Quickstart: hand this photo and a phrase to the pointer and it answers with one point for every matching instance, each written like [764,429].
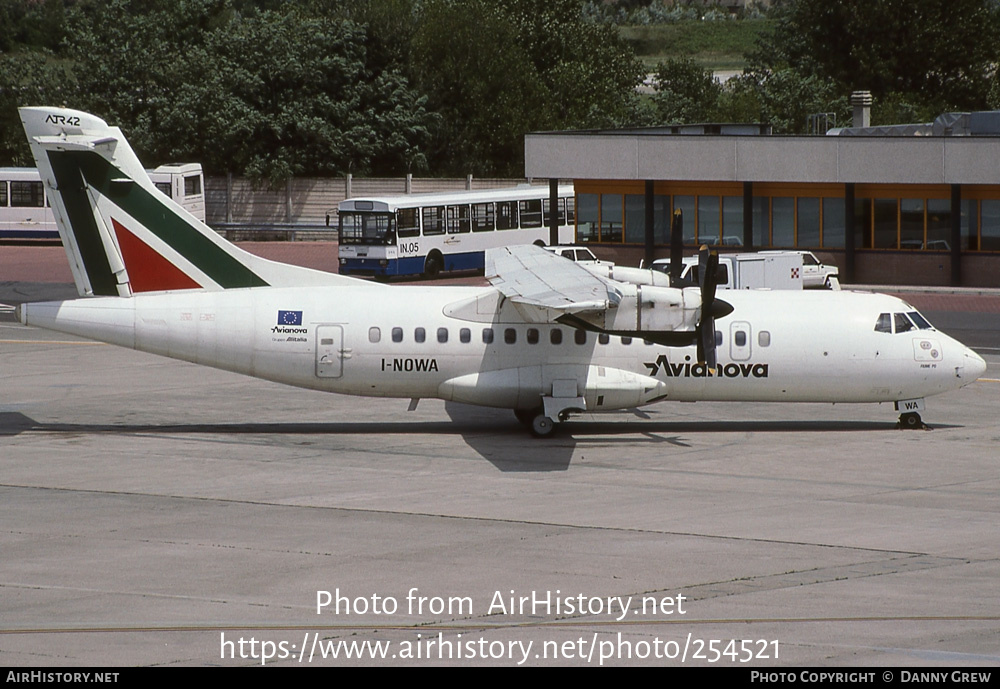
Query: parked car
[580,254]
[814,272]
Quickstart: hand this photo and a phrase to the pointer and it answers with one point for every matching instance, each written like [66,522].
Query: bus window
[3,193]
[433,220]
[366,228]
[483,219]
[531,213]
[407,222]
[26,195]
[458,219]
[507,215]
[192,185]
[163,188]
[546,219]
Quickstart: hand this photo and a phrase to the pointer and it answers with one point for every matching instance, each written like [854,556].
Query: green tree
[496,69]
[685,92]
[25,79]
[268,93]
[936,53]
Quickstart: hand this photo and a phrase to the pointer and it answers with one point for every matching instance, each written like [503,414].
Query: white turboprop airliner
[547,339]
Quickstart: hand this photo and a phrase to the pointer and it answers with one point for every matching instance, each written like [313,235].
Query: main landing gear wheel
[542,426]
[910,421]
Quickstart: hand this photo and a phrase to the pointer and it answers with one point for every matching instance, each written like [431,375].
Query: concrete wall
[306,201]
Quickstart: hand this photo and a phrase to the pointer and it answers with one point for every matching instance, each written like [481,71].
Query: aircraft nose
[975,365]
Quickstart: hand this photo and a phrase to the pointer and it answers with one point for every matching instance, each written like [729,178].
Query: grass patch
[712,44]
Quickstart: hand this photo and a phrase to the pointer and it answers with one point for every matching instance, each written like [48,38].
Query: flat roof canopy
[636,155]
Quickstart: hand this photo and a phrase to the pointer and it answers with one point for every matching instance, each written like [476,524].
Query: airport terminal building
[914,204]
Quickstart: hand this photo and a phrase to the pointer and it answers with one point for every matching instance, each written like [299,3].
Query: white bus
[25,211]
[427,233]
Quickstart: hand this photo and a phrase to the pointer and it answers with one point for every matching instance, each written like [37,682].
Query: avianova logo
[689,370]
[286,318]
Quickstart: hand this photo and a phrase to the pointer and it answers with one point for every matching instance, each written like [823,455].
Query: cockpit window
[903,323]
[919,321]
[884,323]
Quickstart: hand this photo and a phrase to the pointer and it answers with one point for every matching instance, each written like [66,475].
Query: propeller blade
[708,264]
[676,246]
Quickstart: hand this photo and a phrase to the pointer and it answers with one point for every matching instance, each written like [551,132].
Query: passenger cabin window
[510,336]
[532,335]
[740,338]
[465,336]
[580,337]
[442,335]
[603,338]
[487,335]
[764,338]
[397,334]
[626,340]
[555,336]
[419,335]
[374,335]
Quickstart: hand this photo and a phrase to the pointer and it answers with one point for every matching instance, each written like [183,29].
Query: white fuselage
[787,346]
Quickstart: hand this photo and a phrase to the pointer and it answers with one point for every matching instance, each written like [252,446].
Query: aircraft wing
[544,287]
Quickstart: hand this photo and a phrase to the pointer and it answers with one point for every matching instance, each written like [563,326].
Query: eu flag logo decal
[289,318]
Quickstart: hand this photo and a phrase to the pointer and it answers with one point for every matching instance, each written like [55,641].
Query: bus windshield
[367,228]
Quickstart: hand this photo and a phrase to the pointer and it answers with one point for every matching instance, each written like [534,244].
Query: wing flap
[543,286]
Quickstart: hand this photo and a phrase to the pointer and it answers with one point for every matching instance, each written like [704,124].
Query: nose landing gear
[910,421]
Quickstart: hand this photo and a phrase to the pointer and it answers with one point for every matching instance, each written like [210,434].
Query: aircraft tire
[542,426]
[910,421]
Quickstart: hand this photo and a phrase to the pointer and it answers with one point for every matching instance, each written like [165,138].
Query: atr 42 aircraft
[547,339]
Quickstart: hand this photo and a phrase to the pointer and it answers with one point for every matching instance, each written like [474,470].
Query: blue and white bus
[24,206]
[424,234]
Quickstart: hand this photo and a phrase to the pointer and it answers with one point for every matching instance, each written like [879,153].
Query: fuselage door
[739,341]
[329,351]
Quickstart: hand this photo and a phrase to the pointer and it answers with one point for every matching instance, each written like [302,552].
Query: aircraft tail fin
[121,234]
